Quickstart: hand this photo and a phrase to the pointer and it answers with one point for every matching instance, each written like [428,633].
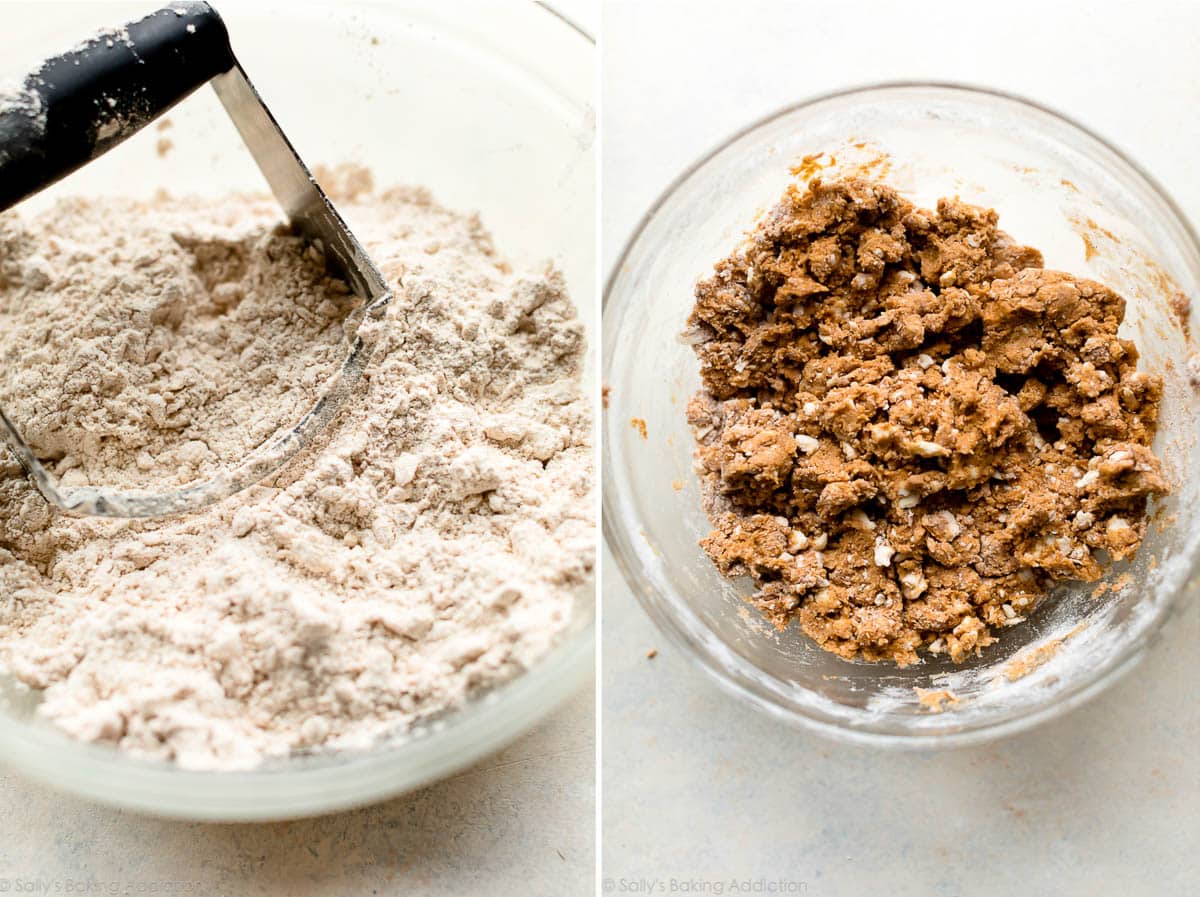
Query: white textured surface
[701,789]
[697,786]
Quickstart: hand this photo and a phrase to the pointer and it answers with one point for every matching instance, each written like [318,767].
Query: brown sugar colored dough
[908,429]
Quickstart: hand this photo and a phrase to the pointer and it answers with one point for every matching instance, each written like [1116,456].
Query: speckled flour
[427,547]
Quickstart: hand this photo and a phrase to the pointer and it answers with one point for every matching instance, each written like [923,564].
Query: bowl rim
[1109,671]
[331,782]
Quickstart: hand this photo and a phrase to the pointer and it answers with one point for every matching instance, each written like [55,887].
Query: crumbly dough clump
[908,429]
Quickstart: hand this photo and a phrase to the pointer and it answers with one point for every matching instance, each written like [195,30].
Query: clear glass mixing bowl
[1057,187]
[490,106]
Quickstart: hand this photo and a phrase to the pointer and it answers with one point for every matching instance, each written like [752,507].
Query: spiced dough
[909,430]
[430,546]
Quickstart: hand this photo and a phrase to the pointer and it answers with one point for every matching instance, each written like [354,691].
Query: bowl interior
[488,107]
[1055,187]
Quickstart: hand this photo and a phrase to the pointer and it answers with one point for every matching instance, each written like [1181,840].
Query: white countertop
[698,788]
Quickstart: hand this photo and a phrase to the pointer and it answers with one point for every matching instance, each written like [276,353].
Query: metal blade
[311,213]
[309,210]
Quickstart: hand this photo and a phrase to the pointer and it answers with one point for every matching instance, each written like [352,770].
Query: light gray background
[698,788]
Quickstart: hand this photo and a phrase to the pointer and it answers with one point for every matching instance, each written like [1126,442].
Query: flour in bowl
[428,546]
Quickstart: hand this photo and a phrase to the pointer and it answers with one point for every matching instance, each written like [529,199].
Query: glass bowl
[1056,186]
[488,106]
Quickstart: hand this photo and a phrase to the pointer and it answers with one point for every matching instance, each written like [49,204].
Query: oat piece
[908,430]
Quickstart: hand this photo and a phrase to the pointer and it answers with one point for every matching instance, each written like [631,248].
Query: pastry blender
[82,103]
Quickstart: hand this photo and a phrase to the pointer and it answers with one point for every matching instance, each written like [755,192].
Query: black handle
[81,104]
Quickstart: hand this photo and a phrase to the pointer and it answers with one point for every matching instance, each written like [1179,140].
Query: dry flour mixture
[428,546]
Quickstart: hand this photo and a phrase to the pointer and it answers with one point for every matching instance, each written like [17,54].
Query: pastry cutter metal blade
[81,104]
